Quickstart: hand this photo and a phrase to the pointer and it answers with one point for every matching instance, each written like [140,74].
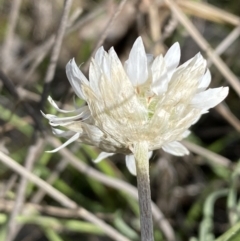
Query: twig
[65,213]
[61,198]
[221,66]
[55,194]
[43,48]
[13,226]
[208,11]
[88,18]
[228,115]
[55,52]
[39,195]
[109,25]
[39,58]
[8,205]
[106,31]
[46,46]
[224,45]
[213,157]
[169,28]
[8,186]
[8,41]
[61,165]
[120,185]
[155,21]
[9,85]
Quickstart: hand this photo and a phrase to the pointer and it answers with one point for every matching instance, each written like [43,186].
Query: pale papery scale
[147,100]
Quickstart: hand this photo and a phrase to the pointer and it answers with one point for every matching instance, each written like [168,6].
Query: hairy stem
[144,193]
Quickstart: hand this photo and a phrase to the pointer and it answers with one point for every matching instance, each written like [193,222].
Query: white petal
[106,66]
[92,135]
[172,58]
[117,71]
[102,156]
[150,58]
[131,165]
[56,121]
[150,153]
[76,78]
[159,76]
[137,64]
[114,58]
[209,98]
[61,133]
[72,139]
[186,134]
[55,118]
[48,116]
[196,61]
[175,148]
[99,56]
[94,76]
[204,81]
[53,103]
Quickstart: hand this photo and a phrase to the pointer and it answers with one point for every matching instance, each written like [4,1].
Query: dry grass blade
[229,116]
[61,198]
[33,153]
[7,206]
[8,185]
[224,45]
[56,50]
[39,195]
[58,42]
[105,31]
[213,157]
[42,50]
[8,41]
[204,45]
[208,12]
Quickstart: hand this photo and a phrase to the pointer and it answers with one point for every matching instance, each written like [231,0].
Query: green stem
[144,193]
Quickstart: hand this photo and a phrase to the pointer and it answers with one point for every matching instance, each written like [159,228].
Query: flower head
[151,100]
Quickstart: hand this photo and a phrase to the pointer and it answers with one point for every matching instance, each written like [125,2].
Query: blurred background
[196,197]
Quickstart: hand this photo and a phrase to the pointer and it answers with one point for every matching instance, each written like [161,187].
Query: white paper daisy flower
[147,100]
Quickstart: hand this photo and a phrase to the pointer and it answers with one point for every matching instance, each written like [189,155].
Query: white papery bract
[146,100]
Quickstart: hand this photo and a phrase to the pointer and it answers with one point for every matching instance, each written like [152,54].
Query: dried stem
[8,43]
[61,198]
[6,187]
[56,51]
[214,158]
[226,43]
[144,193]
[13,226]
[54,193]
[118,184]
[106,31]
